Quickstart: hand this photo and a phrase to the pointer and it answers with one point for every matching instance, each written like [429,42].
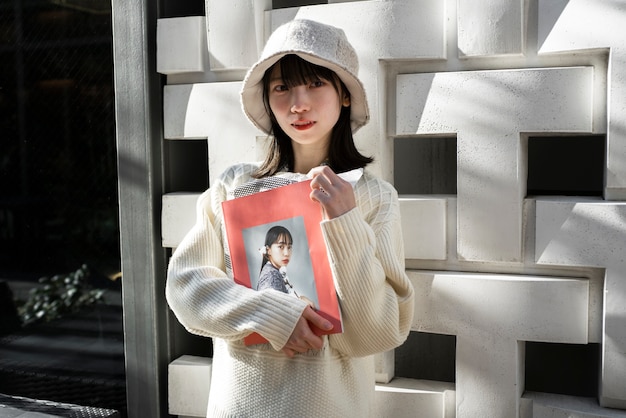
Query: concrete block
[495,28]
[212,111]
[189,380]
[185,112]
[537,99]
[592,25]
[178,215]
[566,25]
[384,366]
[529,308]
[491,316]
[235,32]
[412,398]
[549,405]
[424,227]
[588,233]
[224,152]
[205,110]
[181,45]
[488,111]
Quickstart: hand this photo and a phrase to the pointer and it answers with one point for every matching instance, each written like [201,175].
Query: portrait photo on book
[279,252]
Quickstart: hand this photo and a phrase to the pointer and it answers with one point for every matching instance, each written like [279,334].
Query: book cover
[287,216]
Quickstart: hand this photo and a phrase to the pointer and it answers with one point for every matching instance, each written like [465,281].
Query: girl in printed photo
[276,253]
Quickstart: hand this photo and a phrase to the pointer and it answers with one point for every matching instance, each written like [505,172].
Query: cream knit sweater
[376,298]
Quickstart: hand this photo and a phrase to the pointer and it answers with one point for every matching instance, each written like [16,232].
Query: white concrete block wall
[178,214]
[424,230]
[490,163]
[495,30]
[593,234]
[546,405]
[188,381]
[236,33]
[410,398]
[211,111]
[582,25]
[490,315]
[181,45]
[491,266]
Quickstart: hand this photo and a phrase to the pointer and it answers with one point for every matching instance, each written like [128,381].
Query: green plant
[59,295]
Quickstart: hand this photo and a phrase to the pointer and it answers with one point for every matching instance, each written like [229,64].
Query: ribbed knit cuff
[344,233]
[277,316]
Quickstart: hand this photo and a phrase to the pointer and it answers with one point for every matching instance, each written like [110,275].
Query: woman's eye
[280,88]
[317,83]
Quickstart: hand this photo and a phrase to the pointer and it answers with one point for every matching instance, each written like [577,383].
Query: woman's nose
[299,99]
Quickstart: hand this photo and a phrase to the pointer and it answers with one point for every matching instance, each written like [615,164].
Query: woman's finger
[331,191]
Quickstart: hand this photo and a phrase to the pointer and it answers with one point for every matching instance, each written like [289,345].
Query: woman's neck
[305,160]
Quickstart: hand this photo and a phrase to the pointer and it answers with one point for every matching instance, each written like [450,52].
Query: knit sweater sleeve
[367,257]
[209,303]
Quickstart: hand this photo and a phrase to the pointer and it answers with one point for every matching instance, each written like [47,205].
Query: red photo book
[274,238]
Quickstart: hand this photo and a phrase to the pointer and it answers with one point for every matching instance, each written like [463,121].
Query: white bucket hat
[318,44]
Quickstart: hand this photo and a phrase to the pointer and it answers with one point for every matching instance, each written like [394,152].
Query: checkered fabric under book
[267,183]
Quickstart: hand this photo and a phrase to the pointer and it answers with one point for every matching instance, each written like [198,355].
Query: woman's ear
[346,100]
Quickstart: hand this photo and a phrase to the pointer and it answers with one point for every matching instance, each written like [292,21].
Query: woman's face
[306,113]
[279,253]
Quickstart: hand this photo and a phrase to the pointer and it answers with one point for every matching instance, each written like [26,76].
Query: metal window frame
[138,103]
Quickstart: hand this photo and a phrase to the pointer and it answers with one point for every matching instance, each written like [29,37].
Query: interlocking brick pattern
[491,266]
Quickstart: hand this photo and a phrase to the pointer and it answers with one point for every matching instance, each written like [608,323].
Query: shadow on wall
[548,18]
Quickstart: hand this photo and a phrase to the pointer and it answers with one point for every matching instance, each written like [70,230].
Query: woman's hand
[331,191]
[303,338]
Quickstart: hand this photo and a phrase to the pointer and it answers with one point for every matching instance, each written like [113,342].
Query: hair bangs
[284,237]
[296,71]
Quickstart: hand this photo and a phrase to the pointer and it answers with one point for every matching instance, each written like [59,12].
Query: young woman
[276,256]
[304,92]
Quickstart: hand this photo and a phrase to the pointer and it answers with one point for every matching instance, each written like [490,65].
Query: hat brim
[252,90]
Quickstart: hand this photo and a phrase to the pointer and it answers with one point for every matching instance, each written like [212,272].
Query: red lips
[303,125]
